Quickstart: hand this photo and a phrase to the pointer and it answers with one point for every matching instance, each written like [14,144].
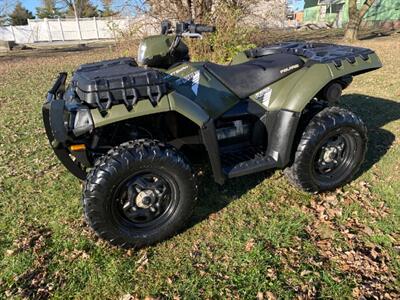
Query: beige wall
[268,13]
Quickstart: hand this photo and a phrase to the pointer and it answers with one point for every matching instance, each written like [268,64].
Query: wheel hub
[330,154]
[145,199]
[335,154]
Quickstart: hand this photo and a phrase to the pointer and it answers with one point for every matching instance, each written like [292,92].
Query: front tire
[140,193]
[330,152]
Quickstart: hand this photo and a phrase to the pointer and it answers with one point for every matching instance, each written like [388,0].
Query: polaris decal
[179,70]
[264,96]
[195,82]
[192,79]
[172,74]
[285,70]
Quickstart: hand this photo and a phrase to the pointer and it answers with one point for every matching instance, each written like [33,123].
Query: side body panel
[119,112]
[194,82]
[196,94]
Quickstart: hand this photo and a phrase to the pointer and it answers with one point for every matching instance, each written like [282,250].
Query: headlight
[83,122]
[142,50]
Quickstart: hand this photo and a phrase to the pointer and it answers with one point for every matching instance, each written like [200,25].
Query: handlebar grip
[204,28]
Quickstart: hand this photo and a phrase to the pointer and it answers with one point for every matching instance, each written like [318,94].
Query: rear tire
[140,193]
[330,152]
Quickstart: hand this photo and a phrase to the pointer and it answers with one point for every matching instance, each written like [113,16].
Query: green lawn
[254,237]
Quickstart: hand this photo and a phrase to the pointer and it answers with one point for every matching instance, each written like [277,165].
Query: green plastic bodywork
[156,45]
[239,58]
[211,98]
[295,91]
[211,95]
[187,108]
[119,112]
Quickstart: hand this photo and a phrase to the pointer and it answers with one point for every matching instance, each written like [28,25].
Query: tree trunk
[352,28]
[355,17]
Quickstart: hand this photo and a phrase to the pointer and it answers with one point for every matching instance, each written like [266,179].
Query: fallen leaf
[270,296]
[249,245]
[127,297]
[260,296]
[10,252]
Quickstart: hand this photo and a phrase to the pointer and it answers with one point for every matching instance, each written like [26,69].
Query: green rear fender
[295,91]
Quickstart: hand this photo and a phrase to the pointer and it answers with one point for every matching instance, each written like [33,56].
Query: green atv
[128,130]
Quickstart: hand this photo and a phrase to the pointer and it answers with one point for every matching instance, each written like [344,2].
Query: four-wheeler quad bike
[126,129]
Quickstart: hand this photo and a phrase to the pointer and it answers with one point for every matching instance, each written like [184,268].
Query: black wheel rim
[336,157]
[146,199]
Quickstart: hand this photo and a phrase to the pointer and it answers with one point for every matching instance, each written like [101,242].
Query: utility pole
[75,11]
[77,20]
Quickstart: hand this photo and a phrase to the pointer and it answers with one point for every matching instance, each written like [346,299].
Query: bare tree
[5,7]
[355,17]
[197,10]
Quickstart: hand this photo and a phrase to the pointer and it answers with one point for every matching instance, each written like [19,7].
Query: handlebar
[200,28]
[185,28]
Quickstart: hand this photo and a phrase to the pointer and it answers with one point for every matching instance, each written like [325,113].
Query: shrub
[221,46]
[230,38]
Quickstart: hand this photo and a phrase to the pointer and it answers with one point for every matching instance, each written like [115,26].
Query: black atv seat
[247,78]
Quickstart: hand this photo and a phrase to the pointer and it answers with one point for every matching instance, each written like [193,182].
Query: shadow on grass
[377,34]
[213,197]
[375,112]
[49,52]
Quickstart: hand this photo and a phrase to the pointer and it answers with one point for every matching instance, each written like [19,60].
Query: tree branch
[364,8]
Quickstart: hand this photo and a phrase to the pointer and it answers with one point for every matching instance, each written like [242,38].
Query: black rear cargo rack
[315,52]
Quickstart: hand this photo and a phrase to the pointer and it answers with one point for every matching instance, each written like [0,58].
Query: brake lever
[192,35]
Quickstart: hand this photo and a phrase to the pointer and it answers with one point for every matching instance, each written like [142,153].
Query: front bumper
[53,119]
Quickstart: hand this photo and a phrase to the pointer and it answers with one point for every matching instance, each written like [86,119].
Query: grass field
[254,237]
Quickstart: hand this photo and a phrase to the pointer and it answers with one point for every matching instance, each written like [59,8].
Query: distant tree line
[14,13]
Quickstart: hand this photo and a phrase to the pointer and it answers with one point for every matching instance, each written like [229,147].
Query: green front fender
[171,102]
[188,109]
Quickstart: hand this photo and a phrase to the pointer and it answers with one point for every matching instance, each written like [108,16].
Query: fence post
[128,23]
[113,27]
[31,29]
[48,30]
[97,29]
[13,33]
[79,28]
[61,29]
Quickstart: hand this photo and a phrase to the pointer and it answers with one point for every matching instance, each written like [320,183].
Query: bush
[221,46]
[230,38]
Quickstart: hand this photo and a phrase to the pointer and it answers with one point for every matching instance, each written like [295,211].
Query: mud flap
[210,141]
[281,133]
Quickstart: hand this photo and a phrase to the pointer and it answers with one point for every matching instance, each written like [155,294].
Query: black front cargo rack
[118,81]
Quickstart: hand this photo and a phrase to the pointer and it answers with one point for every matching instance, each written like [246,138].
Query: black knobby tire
[319,163]
[139,168]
